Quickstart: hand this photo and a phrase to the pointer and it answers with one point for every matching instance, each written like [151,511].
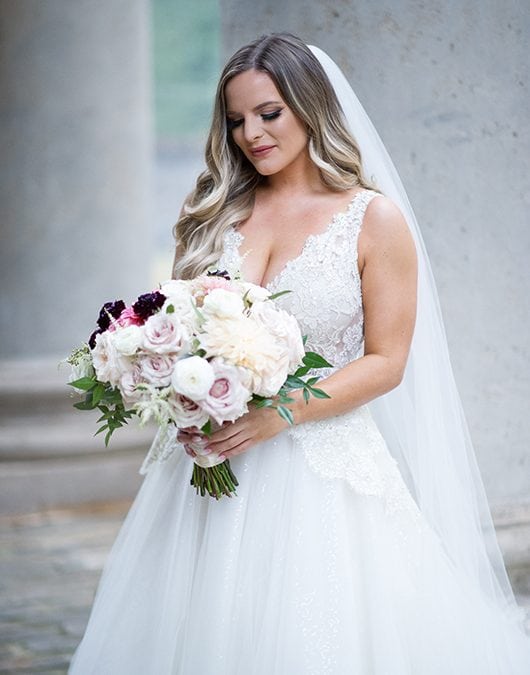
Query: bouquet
[194,353]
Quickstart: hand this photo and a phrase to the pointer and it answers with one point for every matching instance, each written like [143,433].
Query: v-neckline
[308,240]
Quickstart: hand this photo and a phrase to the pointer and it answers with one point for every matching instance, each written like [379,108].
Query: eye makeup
[266,117]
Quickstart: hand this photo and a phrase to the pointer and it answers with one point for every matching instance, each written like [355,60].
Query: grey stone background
[447,86]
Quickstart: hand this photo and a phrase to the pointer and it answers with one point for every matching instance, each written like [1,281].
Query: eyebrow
[258,107]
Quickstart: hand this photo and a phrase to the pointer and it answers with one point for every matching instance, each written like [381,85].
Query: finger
[220,446]
[189,451]
[237,450]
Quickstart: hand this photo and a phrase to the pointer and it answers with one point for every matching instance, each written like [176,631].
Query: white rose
[164,334]
[156,369]
[193,377]
[284,328]
[186,413]
[227,398]
[127,340]
[108,363]
[223,304]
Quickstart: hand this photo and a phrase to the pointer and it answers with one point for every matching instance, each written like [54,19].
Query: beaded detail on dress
[326,299]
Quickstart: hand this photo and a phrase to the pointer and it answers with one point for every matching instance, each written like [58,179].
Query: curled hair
[224,193]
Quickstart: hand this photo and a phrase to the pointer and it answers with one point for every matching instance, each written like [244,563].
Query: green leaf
[314,360]
[84,405]
[98,393]
[285,413]
[264,403]
[303,370]
[170,309]
[207,428]
[101,429]
[84,383]
[293,382]
[304,339]
[278,295]
[312,380]
[306,395]
[319,393]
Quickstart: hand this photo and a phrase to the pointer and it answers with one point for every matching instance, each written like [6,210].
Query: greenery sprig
[107,400]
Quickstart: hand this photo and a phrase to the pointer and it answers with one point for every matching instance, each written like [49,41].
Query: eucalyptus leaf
[285,413]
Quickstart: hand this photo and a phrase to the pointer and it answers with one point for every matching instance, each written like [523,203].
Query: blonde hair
[224,193]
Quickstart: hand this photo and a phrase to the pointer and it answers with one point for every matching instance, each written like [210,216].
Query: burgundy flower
[219,273]
[109,309]
[148,304]
[92,338]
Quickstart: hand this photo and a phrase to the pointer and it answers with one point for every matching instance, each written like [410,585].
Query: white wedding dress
[321,565]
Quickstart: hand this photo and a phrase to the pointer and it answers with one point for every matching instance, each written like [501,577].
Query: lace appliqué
[350,447]
[162,448]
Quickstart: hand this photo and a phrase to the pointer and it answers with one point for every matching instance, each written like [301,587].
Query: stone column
[75,148]
[75,143]
[453,115]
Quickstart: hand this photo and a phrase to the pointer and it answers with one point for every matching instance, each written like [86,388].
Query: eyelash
[266,117]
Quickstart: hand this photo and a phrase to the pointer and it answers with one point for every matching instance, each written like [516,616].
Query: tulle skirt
[298,574]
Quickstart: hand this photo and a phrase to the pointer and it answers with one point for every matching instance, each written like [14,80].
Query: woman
[324,562]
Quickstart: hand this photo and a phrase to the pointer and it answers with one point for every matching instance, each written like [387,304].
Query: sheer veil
[422,419]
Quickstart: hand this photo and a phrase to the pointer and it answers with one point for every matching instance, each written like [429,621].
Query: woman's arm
[387,261]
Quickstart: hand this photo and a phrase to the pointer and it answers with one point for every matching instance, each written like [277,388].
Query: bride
[360,539]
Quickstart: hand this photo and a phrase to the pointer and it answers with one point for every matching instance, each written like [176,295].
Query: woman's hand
[259,424]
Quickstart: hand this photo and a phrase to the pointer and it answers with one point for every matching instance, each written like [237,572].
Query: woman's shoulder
[384,229]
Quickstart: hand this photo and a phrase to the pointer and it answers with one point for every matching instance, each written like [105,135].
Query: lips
[261,151]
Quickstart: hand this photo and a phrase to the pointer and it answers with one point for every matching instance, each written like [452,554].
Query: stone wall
[447,85]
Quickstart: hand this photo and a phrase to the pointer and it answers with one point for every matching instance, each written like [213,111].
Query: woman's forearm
[357,383]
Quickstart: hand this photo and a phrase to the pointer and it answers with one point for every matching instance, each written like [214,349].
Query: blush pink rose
[186,413]
[227,398]
[156,369]
[165,334]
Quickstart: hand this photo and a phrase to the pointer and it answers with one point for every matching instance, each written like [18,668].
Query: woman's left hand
[258,425]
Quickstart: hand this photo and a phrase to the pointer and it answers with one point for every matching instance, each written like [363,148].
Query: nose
[253,129]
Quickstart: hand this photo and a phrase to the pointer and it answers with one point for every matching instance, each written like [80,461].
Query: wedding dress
[323,564]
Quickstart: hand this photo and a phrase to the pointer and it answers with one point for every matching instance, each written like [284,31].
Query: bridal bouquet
[194,353]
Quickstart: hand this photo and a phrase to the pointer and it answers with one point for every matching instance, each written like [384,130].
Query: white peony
[127,340]
[247,343]
[284,328]
[165,334]
[156,369]
[227,398]
[223,304]
[108,363]
[193,377]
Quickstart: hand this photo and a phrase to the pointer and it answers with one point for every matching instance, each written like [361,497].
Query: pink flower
[185,412]
[164,334]
[156,369]
[227,398]
[127,318]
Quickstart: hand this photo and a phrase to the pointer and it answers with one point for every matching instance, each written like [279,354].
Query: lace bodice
[324,282]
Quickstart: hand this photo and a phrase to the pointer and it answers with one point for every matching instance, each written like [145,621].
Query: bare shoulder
[384,231]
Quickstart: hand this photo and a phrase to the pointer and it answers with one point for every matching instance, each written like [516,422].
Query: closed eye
[266,117]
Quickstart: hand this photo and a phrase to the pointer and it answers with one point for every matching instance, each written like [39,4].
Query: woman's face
[270,136]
